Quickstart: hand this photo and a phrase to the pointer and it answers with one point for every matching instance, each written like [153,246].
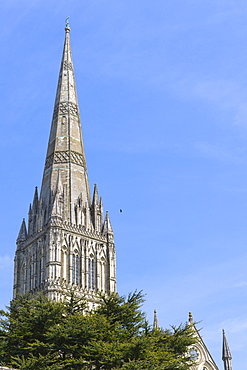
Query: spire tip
[67,27]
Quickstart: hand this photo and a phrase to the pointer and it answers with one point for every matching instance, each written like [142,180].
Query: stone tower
[68,243]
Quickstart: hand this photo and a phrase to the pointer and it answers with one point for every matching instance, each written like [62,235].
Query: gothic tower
[67,244]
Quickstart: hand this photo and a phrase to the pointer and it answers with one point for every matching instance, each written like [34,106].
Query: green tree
[38,333]
[23,331]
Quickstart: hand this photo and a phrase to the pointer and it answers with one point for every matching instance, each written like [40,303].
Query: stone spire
[155,324]
[67,246]
[107,227]
[65,152]
[22,236]
[226,354]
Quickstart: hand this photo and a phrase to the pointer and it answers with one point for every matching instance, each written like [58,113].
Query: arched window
[40,270]
[75,269]
[30,276]
[76,215]
[23,274]
[55,251]
[64,263]
[102,275]
[91,273]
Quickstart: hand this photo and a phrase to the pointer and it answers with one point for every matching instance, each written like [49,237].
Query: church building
[68,241]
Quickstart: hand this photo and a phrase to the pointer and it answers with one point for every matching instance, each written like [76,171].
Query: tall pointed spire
[226,354]
[65,153]
[67,245]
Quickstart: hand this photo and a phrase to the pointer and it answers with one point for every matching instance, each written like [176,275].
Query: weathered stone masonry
[68,242]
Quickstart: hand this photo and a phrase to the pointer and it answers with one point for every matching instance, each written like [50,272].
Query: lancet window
[102,275]
[30,276]
[75,269]
[24,278]
[91,273]
[64,263]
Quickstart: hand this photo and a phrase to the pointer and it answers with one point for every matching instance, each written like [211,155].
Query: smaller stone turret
[226,354]
[107,228]
[155,324]
[22,236]
[97,210]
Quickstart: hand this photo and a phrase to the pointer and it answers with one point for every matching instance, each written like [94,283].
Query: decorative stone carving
[66,108]
[67,65]
[64,157]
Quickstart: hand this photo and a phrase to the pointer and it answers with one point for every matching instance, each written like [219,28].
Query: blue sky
[162,89]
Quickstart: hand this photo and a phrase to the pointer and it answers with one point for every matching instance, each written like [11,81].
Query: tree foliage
[36,332]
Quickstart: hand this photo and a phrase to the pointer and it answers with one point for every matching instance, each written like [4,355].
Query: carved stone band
[64,157]
[66,108]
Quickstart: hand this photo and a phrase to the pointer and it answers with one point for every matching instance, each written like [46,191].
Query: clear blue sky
[162,88]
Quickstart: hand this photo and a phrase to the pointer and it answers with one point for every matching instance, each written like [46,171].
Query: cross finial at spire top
[191,320]
[67,27]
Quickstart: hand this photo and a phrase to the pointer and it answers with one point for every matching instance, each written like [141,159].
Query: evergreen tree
[38,333]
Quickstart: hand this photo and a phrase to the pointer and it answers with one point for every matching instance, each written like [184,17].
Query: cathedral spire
[226,354]
[67,246]
[65,152]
